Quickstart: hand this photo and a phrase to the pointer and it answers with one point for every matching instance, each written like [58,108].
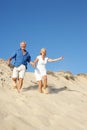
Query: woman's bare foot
[44,90]
[40,90]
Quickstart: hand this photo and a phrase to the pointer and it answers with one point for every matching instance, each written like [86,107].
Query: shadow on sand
[51,89]
[33,87]
[56,90]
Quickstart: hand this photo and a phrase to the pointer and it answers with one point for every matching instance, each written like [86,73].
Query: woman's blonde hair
[43,49]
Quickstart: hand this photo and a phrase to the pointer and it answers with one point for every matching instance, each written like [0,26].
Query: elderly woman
[40,69]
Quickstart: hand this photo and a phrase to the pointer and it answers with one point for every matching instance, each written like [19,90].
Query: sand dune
[64,108]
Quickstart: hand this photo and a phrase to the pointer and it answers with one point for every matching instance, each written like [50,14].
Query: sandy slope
[64,108]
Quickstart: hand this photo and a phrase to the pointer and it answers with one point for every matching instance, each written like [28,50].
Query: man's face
[22,45]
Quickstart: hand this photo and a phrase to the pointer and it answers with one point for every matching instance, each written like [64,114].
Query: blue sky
[60,26]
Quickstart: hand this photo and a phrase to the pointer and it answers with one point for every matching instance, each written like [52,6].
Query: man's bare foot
[14,85]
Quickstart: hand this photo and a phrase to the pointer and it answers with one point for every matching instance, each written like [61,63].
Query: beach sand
[63,108]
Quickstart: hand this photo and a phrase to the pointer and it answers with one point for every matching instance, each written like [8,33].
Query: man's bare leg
[20,83]
[14,82]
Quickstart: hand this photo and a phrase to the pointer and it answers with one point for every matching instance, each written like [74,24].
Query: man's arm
[34,62]
[9,60]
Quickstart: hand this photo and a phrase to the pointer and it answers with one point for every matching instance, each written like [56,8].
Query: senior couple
[22,57]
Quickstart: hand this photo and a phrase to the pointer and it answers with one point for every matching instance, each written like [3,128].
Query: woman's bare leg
[40,86]
[45,84]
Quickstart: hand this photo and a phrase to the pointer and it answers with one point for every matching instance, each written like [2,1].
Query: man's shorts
[19,72]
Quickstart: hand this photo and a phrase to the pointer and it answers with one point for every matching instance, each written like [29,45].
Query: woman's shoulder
[46,57]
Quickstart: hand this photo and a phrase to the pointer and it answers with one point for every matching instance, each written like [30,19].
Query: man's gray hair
[22,42]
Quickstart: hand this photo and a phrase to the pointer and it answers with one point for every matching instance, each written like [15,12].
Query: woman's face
[43,52]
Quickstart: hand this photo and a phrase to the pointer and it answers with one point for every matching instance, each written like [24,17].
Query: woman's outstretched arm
[57,59]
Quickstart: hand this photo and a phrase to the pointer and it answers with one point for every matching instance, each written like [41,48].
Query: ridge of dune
[64,108]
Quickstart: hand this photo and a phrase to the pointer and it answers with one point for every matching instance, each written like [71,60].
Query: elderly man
[22,57]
